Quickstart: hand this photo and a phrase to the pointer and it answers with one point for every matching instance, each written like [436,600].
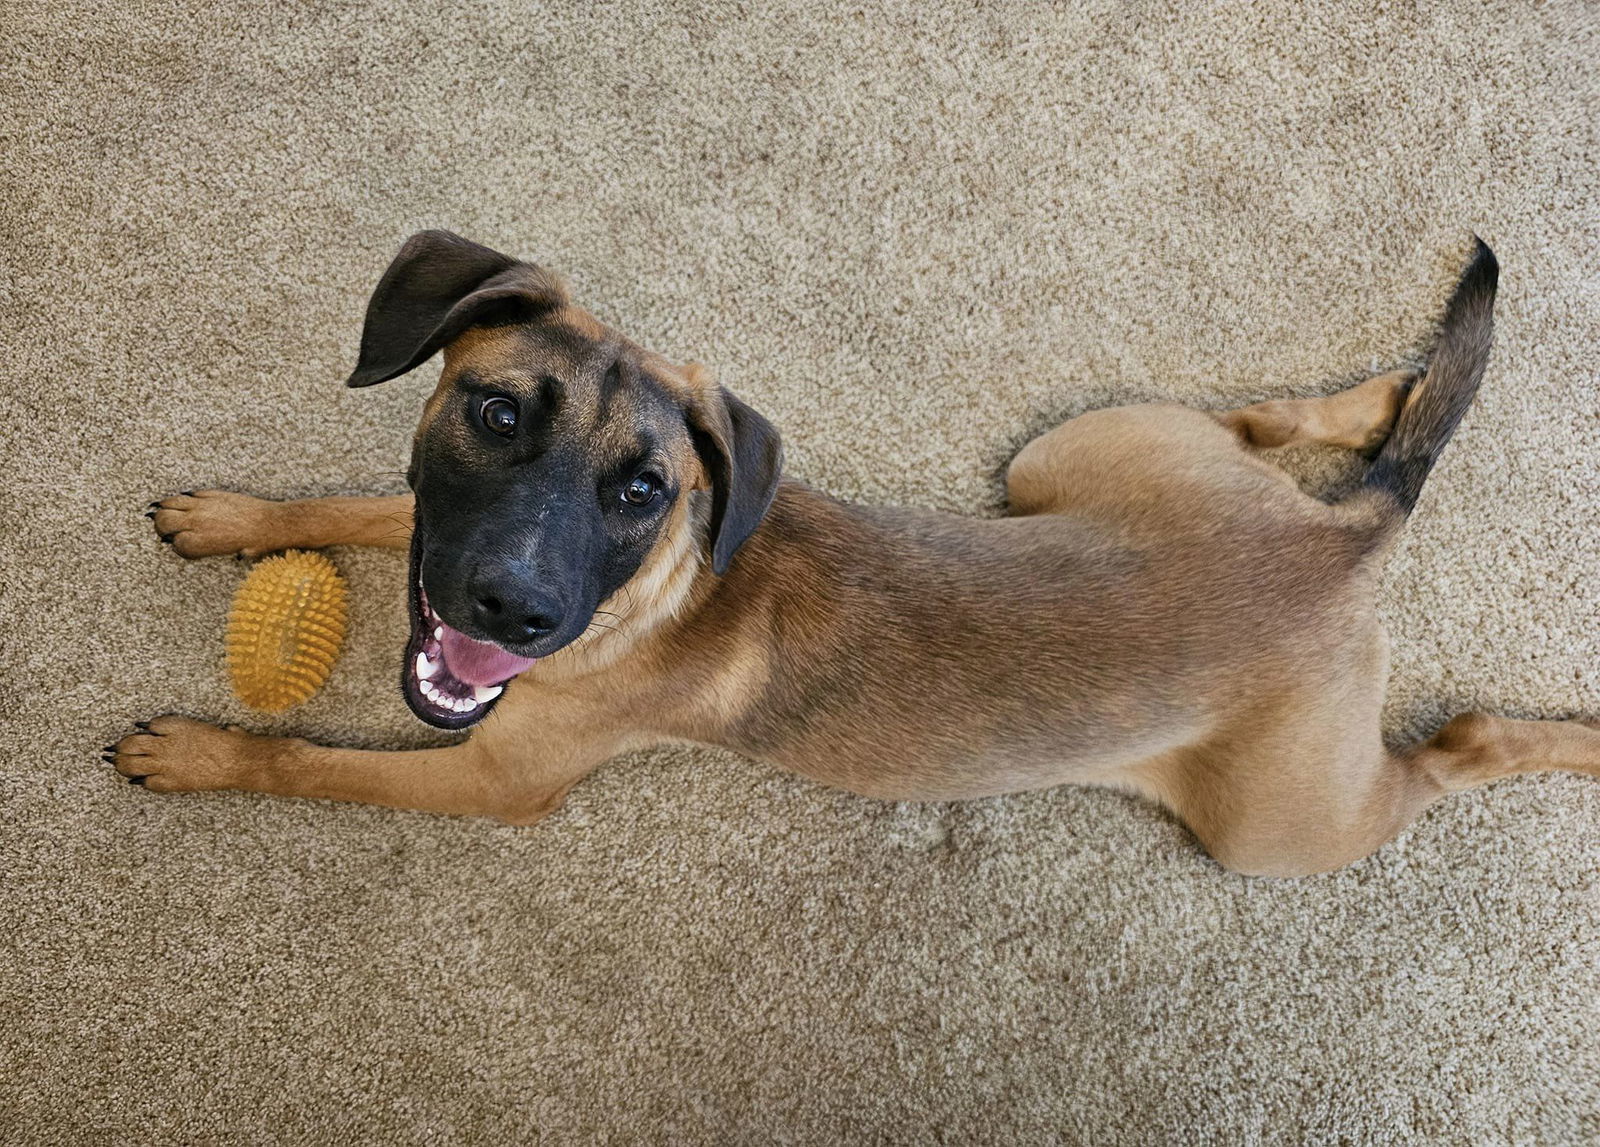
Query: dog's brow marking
[609,391]
[551,394]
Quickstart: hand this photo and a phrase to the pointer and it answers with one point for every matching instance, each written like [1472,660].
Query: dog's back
[1059,647]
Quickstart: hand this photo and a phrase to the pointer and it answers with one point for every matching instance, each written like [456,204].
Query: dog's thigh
[1301,784]
[1149,460]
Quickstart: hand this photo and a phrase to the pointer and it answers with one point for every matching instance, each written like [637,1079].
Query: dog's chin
[437,694]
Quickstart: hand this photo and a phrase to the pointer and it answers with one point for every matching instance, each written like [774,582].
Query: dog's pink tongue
[479,662]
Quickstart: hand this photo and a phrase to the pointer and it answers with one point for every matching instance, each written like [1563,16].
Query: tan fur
[1164,612]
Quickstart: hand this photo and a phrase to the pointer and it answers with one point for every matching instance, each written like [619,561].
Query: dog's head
[552,461]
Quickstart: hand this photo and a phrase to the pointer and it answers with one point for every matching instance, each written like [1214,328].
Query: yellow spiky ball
[285,629]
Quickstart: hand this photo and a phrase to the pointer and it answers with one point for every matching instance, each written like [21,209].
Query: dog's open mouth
[450,680]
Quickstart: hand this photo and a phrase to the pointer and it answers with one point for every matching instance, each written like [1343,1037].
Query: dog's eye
[499,415]
[642,490]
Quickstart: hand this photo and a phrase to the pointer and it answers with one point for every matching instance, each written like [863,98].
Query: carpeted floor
[913,239]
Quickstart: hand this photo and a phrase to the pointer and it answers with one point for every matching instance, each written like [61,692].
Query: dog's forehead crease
[518,358]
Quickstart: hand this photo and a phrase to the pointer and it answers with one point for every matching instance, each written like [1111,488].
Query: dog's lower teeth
[429,663]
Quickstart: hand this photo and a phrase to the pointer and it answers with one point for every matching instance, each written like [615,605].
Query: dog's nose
[513,613]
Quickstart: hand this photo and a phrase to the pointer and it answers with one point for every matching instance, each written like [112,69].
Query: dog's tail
[1444,392]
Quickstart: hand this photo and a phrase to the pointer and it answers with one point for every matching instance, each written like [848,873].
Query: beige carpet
[913,239]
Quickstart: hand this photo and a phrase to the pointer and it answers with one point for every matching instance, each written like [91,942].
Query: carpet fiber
[913,236]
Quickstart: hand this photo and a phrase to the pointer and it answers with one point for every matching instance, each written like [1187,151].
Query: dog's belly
[934,769]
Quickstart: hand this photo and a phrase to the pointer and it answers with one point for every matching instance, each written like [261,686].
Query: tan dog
[1163,612]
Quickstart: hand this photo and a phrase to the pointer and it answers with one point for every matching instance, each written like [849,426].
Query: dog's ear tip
[433,237]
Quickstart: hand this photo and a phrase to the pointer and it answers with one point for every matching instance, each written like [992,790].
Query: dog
[605,554]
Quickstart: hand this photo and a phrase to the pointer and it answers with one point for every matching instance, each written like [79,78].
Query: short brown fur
[1164,612]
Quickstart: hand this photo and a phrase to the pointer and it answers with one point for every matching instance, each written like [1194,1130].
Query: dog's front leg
[477,778]
[206,523]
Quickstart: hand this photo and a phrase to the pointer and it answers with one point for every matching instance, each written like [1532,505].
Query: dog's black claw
[109,758]
[145,725]
[188,493]
[154,506]
[137,781]
[150,514]
[168,537]
[109,749]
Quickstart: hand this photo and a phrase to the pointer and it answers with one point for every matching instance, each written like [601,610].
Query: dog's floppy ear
[439,285]
[743,457]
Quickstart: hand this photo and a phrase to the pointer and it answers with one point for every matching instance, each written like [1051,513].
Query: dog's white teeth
[426,667]
[483,694]
[429,690]
[438,633]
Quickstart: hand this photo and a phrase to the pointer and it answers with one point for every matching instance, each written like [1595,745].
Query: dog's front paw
[204,523]
[177,755]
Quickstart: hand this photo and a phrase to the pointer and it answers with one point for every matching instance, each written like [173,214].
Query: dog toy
[285,629]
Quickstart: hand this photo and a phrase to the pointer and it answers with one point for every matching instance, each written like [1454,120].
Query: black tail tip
[1484,270]
[1475,288]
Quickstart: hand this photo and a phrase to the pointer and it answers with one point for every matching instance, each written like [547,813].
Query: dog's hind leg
[209,522]
[1341,800]
[1475,748]
[1162,451]
[1359,418]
